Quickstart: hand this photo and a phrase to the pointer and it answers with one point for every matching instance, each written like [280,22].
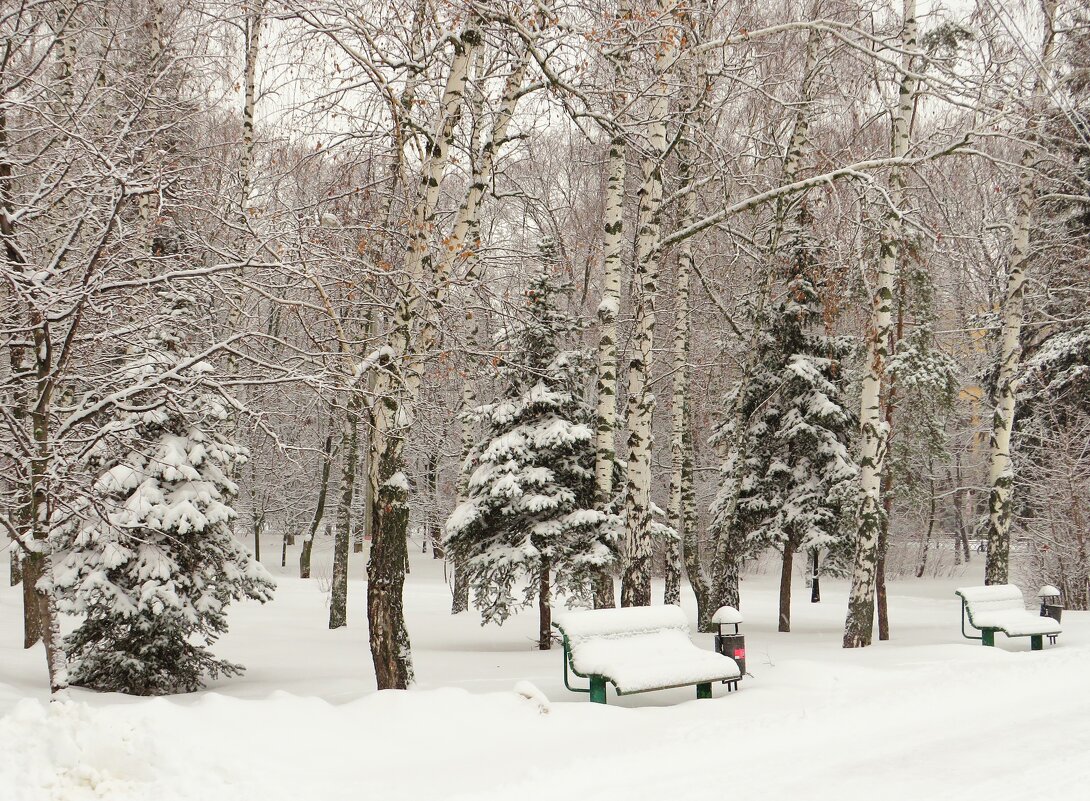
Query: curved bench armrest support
[963,634]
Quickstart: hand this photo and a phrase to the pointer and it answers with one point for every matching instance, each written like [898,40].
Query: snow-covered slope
[928,715]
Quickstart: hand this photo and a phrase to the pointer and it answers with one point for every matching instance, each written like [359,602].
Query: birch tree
[610,306]
[391,413]
[859,625]
[1001,471]
[638,548]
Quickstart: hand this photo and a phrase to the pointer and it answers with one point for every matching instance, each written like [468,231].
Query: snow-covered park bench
[638,649]
[1000,607]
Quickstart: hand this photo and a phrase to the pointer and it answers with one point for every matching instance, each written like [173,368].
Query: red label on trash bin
[740,652]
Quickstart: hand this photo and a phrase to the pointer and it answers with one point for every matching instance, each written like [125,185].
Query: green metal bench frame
[597,689]
[987,633]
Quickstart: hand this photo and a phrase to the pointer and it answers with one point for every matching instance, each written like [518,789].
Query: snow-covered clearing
[928,715]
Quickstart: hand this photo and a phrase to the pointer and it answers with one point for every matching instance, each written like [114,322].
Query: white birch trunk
[395,389]
[609,308]
[1001,469]
[636,579]
[681,508]
[859,625]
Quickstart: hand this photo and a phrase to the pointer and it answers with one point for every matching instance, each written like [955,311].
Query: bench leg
[1036,642]
[704,690]
[597,689]
[988,637]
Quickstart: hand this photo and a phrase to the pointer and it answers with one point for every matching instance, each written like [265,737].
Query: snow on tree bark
[395,391]
[859,624]
[1001,468]
[681,509]
[609,308]
[639,540]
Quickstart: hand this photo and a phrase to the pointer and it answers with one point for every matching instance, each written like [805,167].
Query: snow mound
[531,693]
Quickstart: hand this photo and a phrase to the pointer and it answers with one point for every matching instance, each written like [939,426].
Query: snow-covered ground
[927,715]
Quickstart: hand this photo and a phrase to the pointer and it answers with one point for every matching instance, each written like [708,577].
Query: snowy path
[928,715]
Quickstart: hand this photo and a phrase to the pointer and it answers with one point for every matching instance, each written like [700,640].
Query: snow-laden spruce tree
[148,561]
[791,452]
[529,514]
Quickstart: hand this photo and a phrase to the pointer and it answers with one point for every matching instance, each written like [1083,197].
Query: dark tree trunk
[431,482]
[927,537]
[545,612]
[16,569]
[881,595]
[319,510]
[815,578]
[605,594]
[389,638]
[785,584]
[460,601]
[32,615]
[338,606]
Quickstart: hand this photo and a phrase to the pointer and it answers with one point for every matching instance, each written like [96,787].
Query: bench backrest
[993,598]
[615,623]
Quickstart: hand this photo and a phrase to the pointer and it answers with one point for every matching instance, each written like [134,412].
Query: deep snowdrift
[927,715]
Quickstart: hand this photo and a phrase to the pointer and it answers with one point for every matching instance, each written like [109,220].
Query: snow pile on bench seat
[629,620]
[1001,607]
[641,648]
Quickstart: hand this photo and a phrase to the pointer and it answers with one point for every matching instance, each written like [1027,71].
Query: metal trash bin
[730,643]
[1050,602]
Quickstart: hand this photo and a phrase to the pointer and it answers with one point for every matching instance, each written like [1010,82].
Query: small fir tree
[148,560]
[529,512]
[791,452]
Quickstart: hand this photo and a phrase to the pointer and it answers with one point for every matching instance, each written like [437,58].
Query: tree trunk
[464,242]
[1001,473]
[38,561]
[881,596]
[338,605]
[32,612]
[930,530]
[881,599]
[389,638]
[681,474]
[545,613]
[636,577]
[785,584]
[859,622]
[15,568]
[815,577]
[682,505]
[431,482]
[460,601]
[319,510]
[608,310]
[396,392]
